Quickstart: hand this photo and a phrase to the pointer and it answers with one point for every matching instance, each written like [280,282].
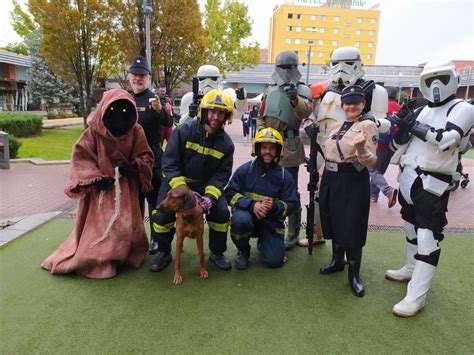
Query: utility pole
[147,10]
[310,42]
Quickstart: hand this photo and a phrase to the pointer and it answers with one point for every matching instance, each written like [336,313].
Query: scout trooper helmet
[346,66]
[438,81]
[209,78]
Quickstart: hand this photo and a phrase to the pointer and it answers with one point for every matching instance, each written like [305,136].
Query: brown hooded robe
[109,229]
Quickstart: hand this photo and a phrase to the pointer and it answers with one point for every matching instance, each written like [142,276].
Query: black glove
[311,130]
[193,110]
[240,93]
[104,183]
[291,92]
[127,168]
[405,120]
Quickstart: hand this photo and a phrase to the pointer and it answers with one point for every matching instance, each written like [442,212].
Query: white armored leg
[422,276]
[404,274]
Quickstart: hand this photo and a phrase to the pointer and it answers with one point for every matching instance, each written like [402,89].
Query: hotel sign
[332,3]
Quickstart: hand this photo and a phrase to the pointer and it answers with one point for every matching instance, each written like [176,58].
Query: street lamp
[310,42]
[147,10]
[400,86]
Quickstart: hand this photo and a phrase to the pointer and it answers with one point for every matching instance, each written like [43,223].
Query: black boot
[354,257]
[161,261]
[220,260]
[153,248]
[242,260]
[337,262]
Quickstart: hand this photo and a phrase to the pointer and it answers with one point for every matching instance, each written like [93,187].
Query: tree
[227,24]
[78,42]
[43,83]
[178,43]
[23,25]
[16,47]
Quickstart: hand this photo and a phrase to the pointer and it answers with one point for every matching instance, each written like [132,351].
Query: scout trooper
[209,79]
[428,141]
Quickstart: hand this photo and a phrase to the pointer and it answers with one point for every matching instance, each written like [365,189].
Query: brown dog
[189,223]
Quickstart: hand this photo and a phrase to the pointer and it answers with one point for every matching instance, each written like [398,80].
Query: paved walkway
[27,189]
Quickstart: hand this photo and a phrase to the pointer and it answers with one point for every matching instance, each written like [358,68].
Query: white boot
[417,288]
[404,274]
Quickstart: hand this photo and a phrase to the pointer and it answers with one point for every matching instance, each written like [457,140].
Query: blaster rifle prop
[196,95]
[312,168]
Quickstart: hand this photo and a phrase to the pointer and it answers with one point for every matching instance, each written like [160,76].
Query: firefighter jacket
[199,160]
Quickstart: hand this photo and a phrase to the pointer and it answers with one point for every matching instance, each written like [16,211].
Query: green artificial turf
[293,309]
[53,144]
[469,154]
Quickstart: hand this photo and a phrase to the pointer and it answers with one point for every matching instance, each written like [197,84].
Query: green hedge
[21,124]
[14,145]
[60,114]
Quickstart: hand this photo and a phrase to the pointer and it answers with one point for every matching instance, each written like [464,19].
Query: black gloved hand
[193,110]
[405,118]
[127,168]
[104,183]
[291,92]
[240,93]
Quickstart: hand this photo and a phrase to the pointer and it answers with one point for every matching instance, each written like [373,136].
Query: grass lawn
[293,309]
[50,144]
[469,154]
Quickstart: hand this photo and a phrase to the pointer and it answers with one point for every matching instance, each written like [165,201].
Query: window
[298,16]
[348,24]
[357,44]
[320,42]
[347,36]
[320,54]
[335,30]
[298,29]
[358,32]
[289,28]
[288,40]
[372,33]
[323,18]
[369,56]
[334,43]
[312,29]
[290,15]
[298,41]
[359,20]
[321,30]
[313,17]
[371,44]
[337,18]
[372,21]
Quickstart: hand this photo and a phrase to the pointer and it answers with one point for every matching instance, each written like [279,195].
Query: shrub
[52,115]
[14,145]
[20,124]
[62,114]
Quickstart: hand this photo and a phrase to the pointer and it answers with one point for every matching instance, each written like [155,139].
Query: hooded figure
[111,161]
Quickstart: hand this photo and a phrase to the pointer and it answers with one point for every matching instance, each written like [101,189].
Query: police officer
[345,187]
[261,194]
[151,116]
[200,155]
[284,106]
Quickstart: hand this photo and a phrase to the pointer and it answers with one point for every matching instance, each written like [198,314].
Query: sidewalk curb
[24,225]
[40,161]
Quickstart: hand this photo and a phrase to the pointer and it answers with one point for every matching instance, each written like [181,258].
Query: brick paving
[28,189]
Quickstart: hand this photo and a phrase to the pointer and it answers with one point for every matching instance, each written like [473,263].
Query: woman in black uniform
[345,189]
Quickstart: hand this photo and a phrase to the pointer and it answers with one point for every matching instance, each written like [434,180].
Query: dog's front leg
[202,265]
[178,279]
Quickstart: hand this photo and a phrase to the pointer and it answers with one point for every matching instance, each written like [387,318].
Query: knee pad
[428,247]
[410,233]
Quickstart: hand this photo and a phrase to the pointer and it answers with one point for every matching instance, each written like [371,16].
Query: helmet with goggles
[438,81]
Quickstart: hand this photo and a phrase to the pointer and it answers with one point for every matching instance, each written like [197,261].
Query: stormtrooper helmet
[286,68]
[438,81]
[346,66]
[209,78]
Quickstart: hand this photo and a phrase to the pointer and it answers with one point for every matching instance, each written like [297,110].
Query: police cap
[352,95]
[139,66]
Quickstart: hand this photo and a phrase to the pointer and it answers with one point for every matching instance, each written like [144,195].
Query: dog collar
[192,211]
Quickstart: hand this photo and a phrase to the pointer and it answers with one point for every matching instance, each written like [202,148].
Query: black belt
[442,177]
[285,134]
[340,167]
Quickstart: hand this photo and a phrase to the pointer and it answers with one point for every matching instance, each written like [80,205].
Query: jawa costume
[111,161]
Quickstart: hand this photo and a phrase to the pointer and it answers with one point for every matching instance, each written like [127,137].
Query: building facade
[317,28]
[13,78]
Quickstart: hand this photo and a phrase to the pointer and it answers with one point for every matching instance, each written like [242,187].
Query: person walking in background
[253,121]
[384,154]
[345,191]
[152,116]
[245,124]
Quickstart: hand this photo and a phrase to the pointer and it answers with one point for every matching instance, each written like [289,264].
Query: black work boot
[220,260]
[153,248]
[337,262]
[161,261]
[294,227]
[354,257]
[242,260]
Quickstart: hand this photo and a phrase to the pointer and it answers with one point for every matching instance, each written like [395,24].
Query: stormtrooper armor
[429,157]
[209,79]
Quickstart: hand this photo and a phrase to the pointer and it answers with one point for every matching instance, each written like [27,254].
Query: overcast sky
[411,31]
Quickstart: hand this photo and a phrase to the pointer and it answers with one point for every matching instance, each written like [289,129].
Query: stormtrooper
[428,141]
[209,79]
[345,70]
[284,106]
